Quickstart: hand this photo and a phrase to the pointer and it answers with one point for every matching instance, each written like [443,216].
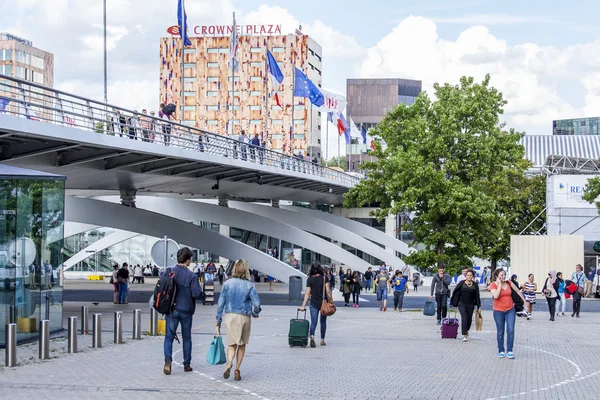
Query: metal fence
[25,99]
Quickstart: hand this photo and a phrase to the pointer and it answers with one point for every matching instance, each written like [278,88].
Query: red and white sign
[173,30]
[242,30]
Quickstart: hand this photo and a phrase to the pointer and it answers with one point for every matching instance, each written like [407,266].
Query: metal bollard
[85,326]
[118,327]
[10,352]
[44,339]
[97,331]
[153,322]
[137,324]
[72,335]
[12,314]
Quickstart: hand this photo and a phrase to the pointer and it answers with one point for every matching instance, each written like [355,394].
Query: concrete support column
[224,229]
[275,203]
[128,197]
[390,228]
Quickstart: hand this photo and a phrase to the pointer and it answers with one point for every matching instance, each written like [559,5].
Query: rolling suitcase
[298,335]
[429,308]
[450,327]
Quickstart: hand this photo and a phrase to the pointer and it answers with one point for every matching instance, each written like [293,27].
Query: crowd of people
[239,301]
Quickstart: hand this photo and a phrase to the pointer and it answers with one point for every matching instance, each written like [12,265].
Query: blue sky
[543,55]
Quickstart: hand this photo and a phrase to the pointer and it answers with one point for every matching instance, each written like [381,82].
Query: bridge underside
[103,164]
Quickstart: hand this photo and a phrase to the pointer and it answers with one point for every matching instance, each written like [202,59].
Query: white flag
[354,131]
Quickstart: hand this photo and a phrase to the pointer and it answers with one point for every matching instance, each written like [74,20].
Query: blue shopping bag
[216,352]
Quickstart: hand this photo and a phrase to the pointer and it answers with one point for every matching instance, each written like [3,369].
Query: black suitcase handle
[298,314]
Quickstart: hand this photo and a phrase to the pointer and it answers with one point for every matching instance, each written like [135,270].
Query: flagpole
[310,133]
[105,73]
[338,157]
[293,103]
[233,77]
[360,147]
[327,140]
[266,95]
[182,27]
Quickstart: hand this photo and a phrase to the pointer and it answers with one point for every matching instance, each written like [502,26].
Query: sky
[543,55]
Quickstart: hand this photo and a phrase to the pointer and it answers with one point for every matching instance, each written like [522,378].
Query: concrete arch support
[365,231]
[321,227]
[153,224]
[195,210]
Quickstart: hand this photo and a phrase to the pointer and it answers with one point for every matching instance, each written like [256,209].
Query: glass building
[31,240]
[576,126]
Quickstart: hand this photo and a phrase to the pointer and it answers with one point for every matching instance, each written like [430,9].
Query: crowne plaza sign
[226,30]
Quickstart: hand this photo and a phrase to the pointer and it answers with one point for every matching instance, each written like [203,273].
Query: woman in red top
[504,311]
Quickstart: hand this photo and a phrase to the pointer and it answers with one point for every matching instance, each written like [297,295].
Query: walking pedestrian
[341,275]
[331,276]
[561,294]
[123,280]
[466,297]
[579,278]
[529,289]
[382,289]
[237,302]
[488,276]
[514,280]
[440,285]
[369,279]
[271,280]
[348,287]
[463,274]
[415,281]
[400,286]
[504,312]
[138,274]
[221,274]
[115,281]
[188,290]
[316,284]
[550,290]
[356,288]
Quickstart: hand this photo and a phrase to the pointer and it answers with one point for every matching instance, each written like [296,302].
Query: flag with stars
[303,87]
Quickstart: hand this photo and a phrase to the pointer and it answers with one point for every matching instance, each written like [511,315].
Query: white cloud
[495,19]
[528,74]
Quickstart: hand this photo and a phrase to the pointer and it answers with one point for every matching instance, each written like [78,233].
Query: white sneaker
[466,338]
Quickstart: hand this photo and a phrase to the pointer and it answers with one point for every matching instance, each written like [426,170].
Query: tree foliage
[448,160]
[592,191]
[333,162]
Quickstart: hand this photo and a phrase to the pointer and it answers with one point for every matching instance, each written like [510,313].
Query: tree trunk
[440,251]
[494,263]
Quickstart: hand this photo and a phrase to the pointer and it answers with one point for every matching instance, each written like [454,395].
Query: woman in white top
[550,290]
[137,274]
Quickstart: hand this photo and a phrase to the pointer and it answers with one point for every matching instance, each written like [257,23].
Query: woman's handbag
[216,351]
[478,321]
[519,303]
[327,305]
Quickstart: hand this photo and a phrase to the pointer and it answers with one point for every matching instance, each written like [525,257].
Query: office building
[369,100]
[208,88]
[19,59]
[576,126]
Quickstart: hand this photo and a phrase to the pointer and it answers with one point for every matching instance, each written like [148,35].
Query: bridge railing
[25,99]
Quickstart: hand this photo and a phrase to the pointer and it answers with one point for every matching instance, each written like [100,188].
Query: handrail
[44,104]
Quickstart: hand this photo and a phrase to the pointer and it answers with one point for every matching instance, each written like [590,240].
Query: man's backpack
[164,293]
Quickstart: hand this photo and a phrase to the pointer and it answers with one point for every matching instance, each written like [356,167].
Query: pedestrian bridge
[103,149]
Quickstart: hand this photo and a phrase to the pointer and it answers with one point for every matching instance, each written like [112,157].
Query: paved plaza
[369,355]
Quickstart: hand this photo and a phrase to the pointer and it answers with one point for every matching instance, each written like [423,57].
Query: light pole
[105,73]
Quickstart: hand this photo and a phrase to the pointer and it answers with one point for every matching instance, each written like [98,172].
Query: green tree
[592,191]
[333,162]
[441,157]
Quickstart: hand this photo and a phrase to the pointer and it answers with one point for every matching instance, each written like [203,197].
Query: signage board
[568,190]
[226,30]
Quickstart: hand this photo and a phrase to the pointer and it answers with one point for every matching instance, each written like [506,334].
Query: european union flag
[3,103]
[181,15]
[303,87]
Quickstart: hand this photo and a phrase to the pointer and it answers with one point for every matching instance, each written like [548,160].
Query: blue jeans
[173,320]
[505,318]
[382,293]
[369,285]
[314,315]
[122,295]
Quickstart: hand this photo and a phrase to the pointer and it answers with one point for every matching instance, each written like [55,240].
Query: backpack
[164,293]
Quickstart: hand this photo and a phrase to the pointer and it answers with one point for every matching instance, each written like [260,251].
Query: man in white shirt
[138,274]
[463,277]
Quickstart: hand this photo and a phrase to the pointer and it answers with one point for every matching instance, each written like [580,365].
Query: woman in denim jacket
[238,301]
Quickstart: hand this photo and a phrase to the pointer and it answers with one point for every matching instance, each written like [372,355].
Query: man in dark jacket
[188,290]
[440,286]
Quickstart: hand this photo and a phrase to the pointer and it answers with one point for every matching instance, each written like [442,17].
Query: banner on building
[568,190]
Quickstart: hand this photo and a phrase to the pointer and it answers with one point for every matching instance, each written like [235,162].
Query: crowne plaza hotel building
[208,83]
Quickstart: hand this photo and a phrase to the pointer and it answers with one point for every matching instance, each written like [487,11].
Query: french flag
[276,75]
